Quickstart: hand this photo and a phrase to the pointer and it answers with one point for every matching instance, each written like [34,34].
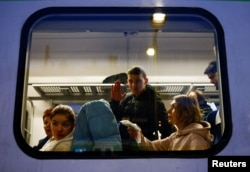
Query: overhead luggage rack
[171,89]
[53,90]
[96,91]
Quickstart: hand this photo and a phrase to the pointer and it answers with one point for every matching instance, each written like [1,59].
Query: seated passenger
[62,127]
[204,106]
[96,128]
[191,133]
[210,114]
[47,129]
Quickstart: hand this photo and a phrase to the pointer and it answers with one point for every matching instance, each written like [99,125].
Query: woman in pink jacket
[191,133]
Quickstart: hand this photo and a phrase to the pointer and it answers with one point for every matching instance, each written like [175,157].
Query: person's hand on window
[116,91]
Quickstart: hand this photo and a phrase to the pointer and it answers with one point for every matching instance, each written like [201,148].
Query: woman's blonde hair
[187,109]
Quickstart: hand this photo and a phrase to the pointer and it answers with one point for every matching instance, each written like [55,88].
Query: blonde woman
[191,133]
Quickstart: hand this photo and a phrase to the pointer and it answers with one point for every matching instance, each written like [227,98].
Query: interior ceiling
[188,31]
[97,41]
[180,32]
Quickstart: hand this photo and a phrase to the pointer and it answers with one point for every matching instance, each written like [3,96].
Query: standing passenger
[212,74]
[214,117]
[142,106]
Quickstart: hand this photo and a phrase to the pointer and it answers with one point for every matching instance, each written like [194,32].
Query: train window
[73,56]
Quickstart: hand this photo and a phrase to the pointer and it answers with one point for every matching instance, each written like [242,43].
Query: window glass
[73,56]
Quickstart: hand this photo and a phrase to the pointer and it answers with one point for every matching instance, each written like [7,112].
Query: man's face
[213,79]
[137,83]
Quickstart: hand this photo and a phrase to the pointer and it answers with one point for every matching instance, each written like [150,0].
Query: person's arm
[146,144]
[156,145]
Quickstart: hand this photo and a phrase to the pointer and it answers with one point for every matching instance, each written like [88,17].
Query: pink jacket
[195,136]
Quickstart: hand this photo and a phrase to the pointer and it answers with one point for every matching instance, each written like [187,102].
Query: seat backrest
[96,128]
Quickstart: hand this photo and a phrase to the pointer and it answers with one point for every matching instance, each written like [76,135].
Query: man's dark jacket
[146,110]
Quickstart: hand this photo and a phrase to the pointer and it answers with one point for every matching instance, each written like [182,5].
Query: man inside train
[211,72]
[142,105]
[214,117]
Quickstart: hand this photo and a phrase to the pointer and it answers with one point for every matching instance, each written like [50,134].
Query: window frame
[23,73]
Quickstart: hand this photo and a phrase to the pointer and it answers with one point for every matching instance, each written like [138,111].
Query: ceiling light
[159,18]
[150,51]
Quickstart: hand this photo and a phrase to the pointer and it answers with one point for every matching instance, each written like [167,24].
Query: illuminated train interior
[69,56]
